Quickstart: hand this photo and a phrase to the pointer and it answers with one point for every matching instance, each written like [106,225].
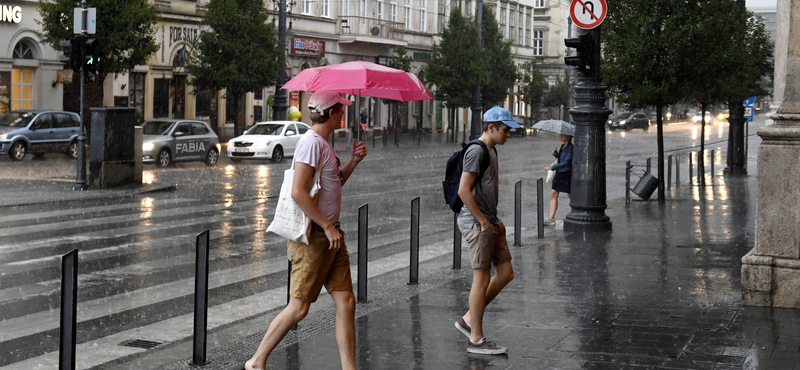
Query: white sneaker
[549,222]
[486,348]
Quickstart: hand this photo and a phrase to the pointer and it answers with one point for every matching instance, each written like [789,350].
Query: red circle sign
[588,14]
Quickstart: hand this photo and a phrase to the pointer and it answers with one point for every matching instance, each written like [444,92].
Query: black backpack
[452,175]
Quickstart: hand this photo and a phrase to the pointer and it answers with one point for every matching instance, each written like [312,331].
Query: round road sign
[588,14]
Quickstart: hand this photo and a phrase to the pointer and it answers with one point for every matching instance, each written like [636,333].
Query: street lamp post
[477,114]
[736,159]
[80,180]
[280,104]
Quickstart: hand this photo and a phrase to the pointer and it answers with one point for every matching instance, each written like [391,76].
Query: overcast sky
[760,3]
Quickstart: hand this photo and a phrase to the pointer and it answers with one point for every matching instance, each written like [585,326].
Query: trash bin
[646,186]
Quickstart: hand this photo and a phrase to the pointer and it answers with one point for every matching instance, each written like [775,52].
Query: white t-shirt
[329,198]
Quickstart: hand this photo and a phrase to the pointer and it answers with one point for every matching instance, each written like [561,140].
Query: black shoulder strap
[486,159]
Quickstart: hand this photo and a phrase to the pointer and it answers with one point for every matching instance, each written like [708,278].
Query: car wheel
[72,149]
[628,127]
[277,154]
[164,158]
[646,126]
[17,151]
[211,157]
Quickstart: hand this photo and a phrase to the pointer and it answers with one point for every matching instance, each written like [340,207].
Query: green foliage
[454,66]
[500,72]
[125,30]
[240,51]
[534,86]
[401,59]
[559,94]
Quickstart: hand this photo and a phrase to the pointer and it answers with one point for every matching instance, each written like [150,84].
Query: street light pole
[80,180]
[477,114]
[280,106]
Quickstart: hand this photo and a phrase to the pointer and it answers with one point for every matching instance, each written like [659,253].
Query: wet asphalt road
[136,252]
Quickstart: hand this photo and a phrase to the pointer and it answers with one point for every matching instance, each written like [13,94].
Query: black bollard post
[627,182]
[69,311]
[373,137]
[363,225]
[677,170]
[518,213]
[691,167]
[648,165]
[712,164]
[456,243]
[540,208]
[701,172]
[413,273]
[200,299]
[669,172]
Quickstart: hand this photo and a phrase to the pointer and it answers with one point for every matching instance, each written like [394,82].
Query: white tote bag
[290,221]
[551,173]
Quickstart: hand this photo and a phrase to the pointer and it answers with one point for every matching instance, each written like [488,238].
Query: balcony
[354,29]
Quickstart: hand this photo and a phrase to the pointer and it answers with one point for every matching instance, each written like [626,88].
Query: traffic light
[91,56]
[585,58]
[72,51]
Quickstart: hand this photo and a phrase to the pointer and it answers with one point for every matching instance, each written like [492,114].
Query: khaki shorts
[314,265]
[489,247]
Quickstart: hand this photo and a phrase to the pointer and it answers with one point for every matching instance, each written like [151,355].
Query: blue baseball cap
[497,114]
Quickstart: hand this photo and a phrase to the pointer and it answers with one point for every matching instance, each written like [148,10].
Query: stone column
[771,271]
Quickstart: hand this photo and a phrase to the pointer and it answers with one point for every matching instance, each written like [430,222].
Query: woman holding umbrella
[563,178]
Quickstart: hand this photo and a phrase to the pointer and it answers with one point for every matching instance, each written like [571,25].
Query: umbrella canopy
[556,125]
[361,78]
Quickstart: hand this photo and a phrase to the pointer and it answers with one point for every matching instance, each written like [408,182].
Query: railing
[355,25]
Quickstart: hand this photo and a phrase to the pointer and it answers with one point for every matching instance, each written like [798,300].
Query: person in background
[562,182]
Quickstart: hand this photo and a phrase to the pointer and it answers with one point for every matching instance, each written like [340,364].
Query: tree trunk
[660,127]
[236,124]
[701,162]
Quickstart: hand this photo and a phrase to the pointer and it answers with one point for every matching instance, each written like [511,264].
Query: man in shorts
[324,260]
[484,232]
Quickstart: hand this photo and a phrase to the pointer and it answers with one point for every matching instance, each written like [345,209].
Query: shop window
[21,88]
[23,51]
[136,94]
[161,98]
[203,104]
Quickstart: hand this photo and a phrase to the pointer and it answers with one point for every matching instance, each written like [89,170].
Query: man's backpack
[452,175]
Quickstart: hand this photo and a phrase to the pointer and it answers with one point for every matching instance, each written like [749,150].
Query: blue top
[564,159]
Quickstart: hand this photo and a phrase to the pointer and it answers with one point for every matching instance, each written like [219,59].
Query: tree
[500,72]
[558,95]
[125,30]
[455,64]
[401,60]
[239,53]
[534,86]
[644,57]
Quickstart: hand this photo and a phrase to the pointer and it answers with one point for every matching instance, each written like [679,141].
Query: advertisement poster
[5,91]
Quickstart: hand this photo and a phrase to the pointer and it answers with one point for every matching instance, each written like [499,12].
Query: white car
[698,118]
[267,140]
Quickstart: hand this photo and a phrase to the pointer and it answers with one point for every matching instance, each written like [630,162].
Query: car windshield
[623,116]
[16,119]
[268,129]
[156,127]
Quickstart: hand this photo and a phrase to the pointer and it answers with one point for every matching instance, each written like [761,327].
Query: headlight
[610,122]
[148,147]
[622,122]
[3,135]
[265,143]
[230,144]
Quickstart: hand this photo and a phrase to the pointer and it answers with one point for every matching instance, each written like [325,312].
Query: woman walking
[563,178]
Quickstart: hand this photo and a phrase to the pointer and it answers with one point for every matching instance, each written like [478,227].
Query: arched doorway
[22,91]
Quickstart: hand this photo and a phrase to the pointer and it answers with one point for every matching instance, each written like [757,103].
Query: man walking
[484,232]
[324,260]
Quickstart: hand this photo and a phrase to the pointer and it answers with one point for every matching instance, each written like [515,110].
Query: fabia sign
[10,14]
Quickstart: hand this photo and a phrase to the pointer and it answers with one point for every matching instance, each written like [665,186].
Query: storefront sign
[187,34]
[308,47]
[422,56]
[10,14]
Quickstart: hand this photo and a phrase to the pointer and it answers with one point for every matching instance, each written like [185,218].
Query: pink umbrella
[361,78]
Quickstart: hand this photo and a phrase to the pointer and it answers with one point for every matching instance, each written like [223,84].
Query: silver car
[39,132]
[174,140]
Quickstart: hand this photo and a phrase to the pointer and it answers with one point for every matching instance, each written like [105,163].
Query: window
[202,107]
[21,88]
[184,127]
[538,4]
[362,11]
[306,7]
[408,2]
[44,121]
[199,128]
[325,9]
[423,3]
[538,43]
[408,17]
[63,120]
[393,12]
[22,51]
[511,17]
[380,10]
[345,11]
[527,29]
[521,23]
[301,128]
[503,21]
[423,19]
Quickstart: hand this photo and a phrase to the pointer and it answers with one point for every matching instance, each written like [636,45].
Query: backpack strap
[486,158]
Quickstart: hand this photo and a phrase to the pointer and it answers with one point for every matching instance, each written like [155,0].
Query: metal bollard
[712,163]
[648,165]
[700,170]
[540,208]
[669,172]
[677,170]
[69,311]
[691,167]
[456,243]
[363,225]
[518,213]
[373,137]
[200,299]
[413,273]
[627,182]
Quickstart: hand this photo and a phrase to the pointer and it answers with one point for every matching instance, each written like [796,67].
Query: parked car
[698,117]
[267,140]
[165,141]
[629,121]
[39,132]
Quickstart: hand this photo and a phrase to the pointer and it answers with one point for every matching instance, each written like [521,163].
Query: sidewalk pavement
[661,291]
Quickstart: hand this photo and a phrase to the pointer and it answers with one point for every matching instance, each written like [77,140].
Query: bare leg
[477,301]
[345,327]
[295,311]
[504,275]
[553,204]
